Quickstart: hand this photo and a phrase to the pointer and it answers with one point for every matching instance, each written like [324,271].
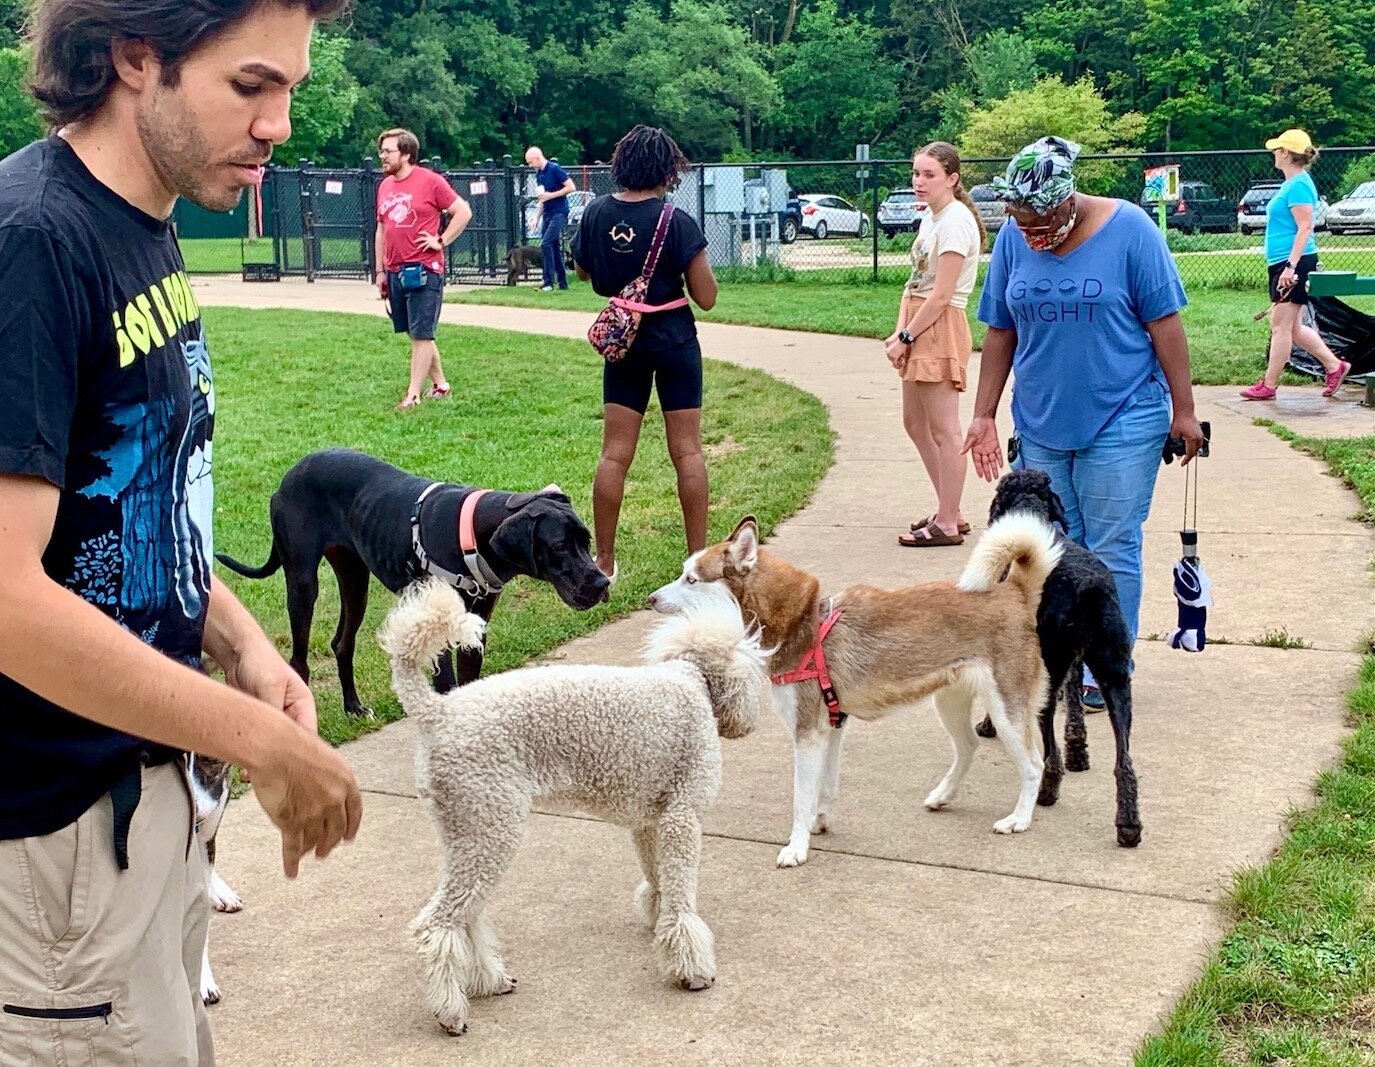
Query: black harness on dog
[481,580]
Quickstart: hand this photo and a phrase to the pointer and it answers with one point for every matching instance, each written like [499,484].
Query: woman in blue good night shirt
[1082,303]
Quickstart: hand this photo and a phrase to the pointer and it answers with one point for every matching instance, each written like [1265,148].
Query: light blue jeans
[1106,489]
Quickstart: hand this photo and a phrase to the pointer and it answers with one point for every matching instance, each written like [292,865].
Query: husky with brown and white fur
[974,639]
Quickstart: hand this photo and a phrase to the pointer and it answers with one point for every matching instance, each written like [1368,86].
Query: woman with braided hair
[610,249]
[931,345]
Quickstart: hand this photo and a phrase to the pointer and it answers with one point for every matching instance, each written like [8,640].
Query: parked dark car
[1198,208]
[1252,209]
[791,222]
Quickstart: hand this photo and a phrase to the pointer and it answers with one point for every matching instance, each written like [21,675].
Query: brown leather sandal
[929,536]
[963,527]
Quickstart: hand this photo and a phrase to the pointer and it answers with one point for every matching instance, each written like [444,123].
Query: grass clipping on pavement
[526,411]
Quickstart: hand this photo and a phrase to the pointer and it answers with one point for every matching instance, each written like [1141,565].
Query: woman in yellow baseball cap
[1291,255]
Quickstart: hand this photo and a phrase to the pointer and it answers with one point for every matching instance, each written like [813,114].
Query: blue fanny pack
[411,276]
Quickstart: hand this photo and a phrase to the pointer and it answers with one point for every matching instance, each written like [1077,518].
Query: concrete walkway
[909,937]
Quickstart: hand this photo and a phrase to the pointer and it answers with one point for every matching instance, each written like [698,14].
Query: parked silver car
[990,207]
[1355,211]
[900,212]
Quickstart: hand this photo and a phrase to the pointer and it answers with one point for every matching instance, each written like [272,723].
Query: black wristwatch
[905,337]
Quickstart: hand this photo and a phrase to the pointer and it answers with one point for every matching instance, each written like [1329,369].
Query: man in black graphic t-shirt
[107,600]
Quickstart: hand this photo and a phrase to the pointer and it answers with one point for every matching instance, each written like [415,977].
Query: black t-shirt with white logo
[612,244]
[105,392]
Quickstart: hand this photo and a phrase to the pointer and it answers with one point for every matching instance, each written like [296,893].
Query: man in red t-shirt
[409,203]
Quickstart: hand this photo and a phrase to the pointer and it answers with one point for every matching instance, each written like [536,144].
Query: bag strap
[656,246]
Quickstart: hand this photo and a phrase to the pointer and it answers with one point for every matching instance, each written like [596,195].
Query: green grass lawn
[1227,346]
[1294,982]
[525,415]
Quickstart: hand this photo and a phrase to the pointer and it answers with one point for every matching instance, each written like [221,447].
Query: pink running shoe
[1332,380]
[1259,391]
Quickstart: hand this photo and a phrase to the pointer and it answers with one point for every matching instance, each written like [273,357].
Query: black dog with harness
[367,517]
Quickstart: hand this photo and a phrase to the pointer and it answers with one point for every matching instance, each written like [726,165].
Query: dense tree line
[807,79]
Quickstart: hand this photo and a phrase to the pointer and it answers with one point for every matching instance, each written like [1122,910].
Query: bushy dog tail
[714,638]
[1020,547]
[429,618]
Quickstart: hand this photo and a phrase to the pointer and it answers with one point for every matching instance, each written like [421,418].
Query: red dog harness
[813,665]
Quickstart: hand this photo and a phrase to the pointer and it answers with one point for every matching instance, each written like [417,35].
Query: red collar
[467,536]
[813,665]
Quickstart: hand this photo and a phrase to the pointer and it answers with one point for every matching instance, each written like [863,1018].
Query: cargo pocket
[72,1029]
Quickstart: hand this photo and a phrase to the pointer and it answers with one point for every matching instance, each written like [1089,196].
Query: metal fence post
[308,220]
[367,204]
[507,200]
[873,214]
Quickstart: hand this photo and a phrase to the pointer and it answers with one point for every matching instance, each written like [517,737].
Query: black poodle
[1079,622]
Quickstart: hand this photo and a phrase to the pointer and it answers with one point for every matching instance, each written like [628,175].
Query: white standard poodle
[636,746]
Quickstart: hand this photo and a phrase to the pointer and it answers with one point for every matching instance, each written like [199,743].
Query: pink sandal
[408,403]
[434,392]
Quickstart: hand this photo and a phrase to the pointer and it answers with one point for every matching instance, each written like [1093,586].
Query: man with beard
[107,601]
[410,253]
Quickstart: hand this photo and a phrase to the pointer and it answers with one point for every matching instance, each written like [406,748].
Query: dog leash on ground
[1192,589]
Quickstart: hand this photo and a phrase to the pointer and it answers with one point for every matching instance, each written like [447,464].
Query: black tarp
[1348,332]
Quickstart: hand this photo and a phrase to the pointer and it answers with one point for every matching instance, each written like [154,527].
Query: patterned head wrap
[1041,175]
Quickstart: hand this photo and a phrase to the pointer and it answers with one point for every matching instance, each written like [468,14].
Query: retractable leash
[1192,589]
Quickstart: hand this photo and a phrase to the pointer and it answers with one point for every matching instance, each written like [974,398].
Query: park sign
[1162,186]
[1162,183]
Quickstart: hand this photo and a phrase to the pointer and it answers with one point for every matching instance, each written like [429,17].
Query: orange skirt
[940,354]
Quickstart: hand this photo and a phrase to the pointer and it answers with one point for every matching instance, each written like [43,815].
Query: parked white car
[823,215]
[578,200]
[1355,211]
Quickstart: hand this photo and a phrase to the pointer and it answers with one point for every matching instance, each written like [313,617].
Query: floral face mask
[1049,240]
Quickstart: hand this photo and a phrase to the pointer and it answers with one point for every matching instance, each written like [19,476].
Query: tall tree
[1076,111]
[19,122]
[323,108]
[838,87]
[12,13]
[695,73]
[1002,62]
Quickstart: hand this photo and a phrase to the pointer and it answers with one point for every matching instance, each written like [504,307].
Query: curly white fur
[637,745]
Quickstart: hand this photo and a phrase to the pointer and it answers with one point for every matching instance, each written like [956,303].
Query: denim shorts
[416,312]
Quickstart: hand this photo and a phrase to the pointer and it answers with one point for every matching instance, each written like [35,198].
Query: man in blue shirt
[552,216]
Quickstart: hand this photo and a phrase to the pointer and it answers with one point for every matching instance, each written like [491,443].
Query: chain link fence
[853,221]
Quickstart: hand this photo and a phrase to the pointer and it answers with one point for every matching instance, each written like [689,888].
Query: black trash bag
[1348,332]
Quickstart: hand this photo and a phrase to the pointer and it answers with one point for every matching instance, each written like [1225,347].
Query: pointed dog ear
[742,549]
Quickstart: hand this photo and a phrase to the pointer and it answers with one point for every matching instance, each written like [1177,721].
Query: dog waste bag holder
[1193,592]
